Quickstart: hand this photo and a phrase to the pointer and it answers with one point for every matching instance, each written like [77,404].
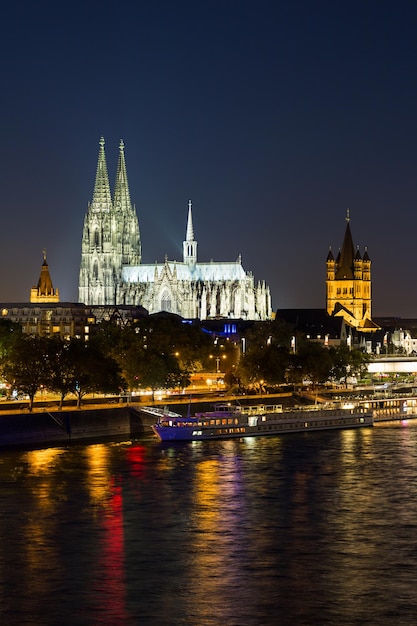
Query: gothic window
[95,270]
[96,238]
[218,304]
[166,301]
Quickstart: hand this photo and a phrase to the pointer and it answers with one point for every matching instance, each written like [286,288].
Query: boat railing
[159,412]
[260,409]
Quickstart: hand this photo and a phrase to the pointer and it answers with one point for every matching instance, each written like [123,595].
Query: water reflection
[314,528]
[98,479]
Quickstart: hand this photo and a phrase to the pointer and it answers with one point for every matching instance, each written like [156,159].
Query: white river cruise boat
[227,421]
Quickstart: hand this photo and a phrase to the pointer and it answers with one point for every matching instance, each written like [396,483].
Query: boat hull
[302,422]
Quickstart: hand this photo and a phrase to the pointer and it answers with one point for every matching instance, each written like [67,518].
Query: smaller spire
[189,246]
[190,229]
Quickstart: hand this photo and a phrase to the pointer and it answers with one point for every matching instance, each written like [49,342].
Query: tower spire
[127,224]
[102,195]
[189,246]
[121,189]
[345,263]
[190,230]
[44,290]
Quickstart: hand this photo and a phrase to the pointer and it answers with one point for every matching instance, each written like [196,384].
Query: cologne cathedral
[111,271]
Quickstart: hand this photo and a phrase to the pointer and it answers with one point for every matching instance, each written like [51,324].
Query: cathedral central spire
[189,246]
[190,229]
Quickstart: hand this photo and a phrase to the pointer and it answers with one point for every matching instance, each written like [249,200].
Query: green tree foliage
[311,362]
[159,352]
[169,334]
[266,358]
[160,371]
[263,367]
[62,373]
[164,352]
[9,333]
[26,366]
[92,370]
[33,363]
[121,343]
[347,363]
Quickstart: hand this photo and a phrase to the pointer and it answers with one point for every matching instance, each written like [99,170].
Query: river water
[301,529]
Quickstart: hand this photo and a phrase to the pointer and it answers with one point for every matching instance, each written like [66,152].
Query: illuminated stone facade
[111,271]
[348,285]
[44,291]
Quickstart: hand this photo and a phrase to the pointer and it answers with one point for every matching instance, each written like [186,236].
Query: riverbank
[45,427]
[50,428]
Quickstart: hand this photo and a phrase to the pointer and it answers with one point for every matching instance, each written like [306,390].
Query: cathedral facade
[111,271]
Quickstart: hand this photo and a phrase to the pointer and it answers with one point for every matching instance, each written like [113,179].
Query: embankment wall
[56,427]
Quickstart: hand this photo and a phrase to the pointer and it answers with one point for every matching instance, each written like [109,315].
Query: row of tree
[269,361]
[159,352]
[162,352]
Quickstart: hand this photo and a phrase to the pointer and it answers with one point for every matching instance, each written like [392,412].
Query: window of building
[166,303]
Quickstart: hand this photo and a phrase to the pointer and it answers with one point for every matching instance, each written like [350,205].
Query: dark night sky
[273,117]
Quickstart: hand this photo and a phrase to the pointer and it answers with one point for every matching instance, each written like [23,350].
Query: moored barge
[227,421]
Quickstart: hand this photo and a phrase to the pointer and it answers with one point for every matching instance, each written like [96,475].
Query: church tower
[128,245]
[348,284]
[111,236]
[44,290]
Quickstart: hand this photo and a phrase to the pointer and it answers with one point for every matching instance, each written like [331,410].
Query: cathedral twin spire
[111,237]
[111,271]
[121,208]
[121,191]
[102,196]
[102,199]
